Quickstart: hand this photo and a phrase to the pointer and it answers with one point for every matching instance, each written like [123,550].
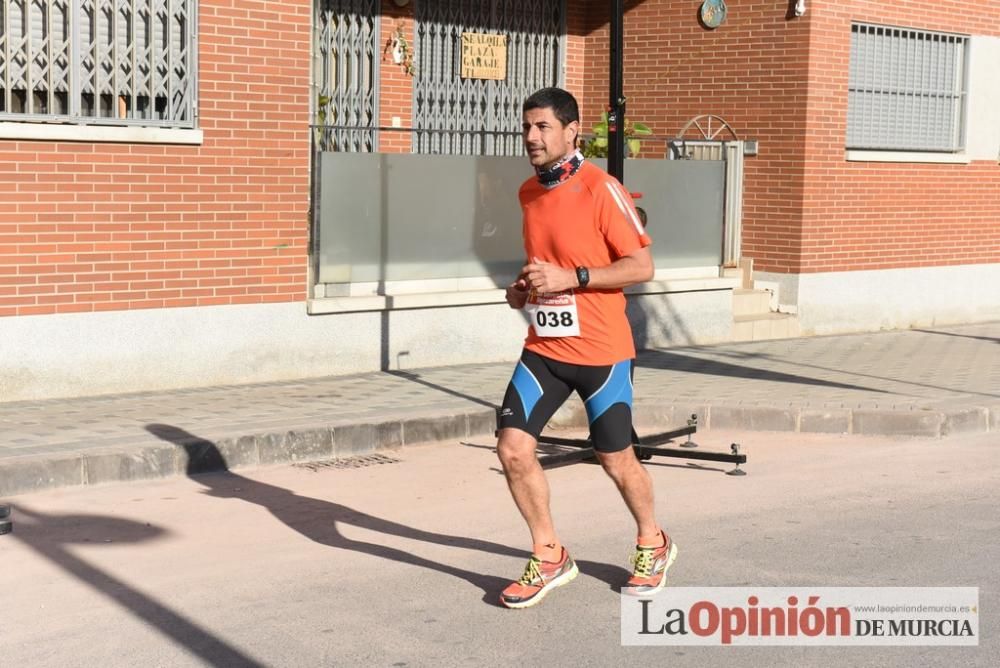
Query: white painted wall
[128,351]
[681,319]
[158,349]
[118,351]
[863,301]
[983,127]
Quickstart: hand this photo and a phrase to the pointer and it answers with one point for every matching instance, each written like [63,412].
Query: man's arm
[634,268]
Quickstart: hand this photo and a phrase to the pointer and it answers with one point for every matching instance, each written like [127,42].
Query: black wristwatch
[582,276]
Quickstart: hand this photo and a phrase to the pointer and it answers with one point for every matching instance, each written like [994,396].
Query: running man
[584,243]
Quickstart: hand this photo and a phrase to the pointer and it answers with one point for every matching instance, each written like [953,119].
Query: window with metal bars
[907,89]
[99,62]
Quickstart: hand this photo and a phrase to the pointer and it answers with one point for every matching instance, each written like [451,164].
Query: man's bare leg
[654,552]
[636,488]
[530,489]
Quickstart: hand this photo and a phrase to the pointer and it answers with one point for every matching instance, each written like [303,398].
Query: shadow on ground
[320,520]
[661,359]
[52,536]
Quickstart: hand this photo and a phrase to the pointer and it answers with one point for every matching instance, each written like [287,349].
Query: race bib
[553,313]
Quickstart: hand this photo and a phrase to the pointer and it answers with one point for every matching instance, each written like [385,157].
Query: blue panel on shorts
[617,389]
[528,388]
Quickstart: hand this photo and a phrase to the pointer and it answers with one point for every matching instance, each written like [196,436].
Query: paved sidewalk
[923,383]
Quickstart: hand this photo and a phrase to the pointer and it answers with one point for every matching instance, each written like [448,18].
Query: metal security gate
[457,116]
[347,58]
[99,61]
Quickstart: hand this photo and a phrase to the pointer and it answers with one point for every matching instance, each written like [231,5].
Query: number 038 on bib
[553,314]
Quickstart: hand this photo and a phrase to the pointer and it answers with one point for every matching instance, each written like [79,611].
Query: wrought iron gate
[347,57]
[457,116]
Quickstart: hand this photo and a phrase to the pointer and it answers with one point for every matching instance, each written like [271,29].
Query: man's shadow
[318,520]
[53,537]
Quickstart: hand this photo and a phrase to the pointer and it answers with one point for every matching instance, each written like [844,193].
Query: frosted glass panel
[393,217]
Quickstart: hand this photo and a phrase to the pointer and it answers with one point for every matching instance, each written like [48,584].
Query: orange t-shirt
[588,220]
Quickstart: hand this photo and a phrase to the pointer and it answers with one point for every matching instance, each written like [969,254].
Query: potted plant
[597,147]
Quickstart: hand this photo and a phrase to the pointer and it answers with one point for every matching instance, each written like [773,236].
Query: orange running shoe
[650,567]
[539,578]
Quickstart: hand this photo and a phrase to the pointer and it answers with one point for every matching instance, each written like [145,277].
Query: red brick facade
[783,81]
[92,226]
[751,71]
[859,215]
[396,85]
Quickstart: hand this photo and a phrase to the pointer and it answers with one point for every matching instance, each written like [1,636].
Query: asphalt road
[400,563]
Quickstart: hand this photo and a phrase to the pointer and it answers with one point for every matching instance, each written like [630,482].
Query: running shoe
[650,567]
[539,578]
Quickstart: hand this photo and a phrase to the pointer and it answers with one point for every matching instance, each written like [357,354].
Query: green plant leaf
[633,147]
[641,129]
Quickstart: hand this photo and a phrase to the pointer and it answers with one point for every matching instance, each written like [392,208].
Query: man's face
[546,139]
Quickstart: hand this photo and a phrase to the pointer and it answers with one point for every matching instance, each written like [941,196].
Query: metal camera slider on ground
[645,448]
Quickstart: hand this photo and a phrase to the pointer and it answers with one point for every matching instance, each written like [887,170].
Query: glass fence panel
[684,202]
[395,217]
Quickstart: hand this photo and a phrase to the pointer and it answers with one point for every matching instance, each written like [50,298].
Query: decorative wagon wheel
[704,128]
[704,125]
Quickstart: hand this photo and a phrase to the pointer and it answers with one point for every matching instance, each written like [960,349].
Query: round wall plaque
[713,13]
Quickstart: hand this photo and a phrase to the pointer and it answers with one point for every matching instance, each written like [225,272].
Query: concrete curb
[182,454]
[922,423]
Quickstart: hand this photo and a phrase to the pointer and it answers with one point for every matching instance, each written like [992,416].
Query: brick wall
[91,226]
[577,26]
[396,85]
[751,71]
[99,226]
[860,215]
[783,81]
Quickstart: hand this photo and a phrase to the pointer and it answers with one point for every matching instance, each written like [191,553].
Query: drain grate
[359,462]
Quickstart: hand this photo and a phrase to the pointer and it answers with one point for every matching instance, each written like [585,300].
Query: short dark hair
[561,102]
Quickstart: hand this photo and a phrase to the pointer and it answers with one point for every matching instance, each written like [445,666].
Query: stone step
[765,326]
[751,302]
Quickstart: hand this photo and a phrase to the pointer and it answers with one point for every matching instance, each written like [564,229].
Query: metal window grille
[460,116]
[907,89]
[110,62]
[347,71]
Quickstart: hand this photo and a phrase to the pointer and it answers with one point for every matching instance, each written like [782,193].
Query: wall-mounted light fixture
[800,7]
[401,3]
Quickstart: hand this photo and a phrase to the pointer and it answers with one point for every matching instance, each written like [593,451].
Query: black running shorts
[540,386]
